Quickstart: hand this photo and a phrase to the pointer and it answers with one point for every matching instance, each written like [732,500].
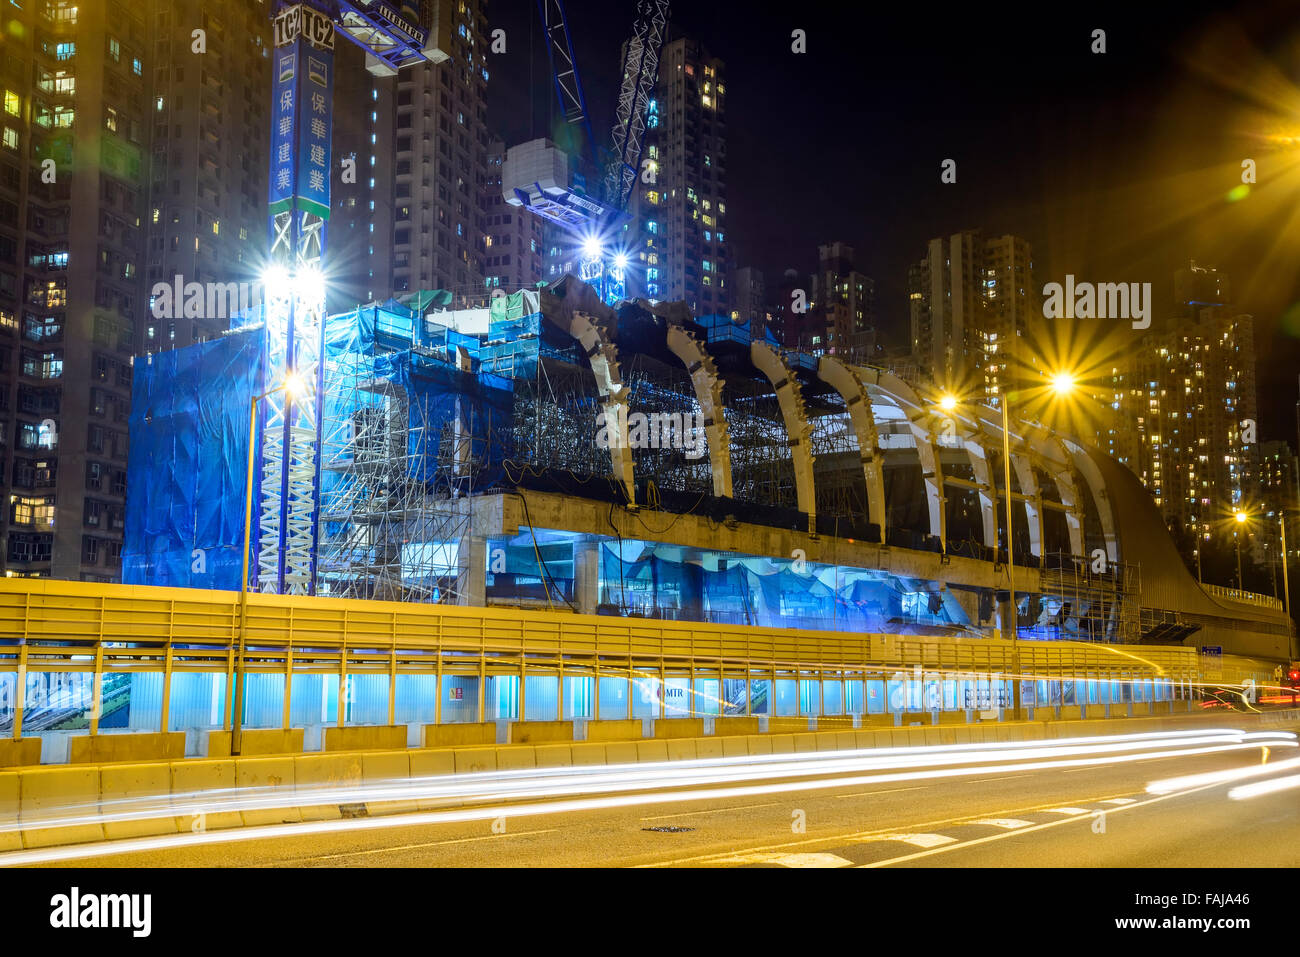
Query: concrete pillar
[472,566]
[586,574]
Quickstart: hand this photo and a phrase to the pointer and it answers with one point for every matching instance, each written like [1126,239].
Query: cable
[542,566]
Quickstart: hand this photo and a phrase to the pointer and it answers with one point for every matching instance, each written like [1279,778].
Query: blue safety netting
[189,451]
[752,590]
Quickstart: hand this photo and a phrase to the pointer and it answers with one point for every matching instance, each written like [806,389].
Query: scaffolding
[395,520]
[1077,602]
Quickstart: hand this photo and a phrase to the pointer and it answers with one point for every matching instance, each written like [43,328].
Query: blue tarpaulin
[189,455]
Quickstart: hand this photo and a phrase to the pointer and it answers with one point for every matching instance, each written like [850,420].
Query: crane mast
[542,178]
[304,35]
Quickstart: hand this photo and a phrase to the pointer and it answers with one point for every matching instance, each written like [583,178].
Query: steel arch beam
[837,374]
[708,393]
[603,356]
[905,397]
[790,398]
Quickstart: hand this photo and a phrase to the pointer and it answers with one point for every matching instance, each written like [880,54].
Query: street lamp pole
[1237,539]
[1012,613]
[1286,588]
[237,719]
[1006,469]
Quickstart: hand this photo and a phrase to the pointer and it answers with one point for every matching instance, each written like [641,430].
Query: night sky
[1116,166]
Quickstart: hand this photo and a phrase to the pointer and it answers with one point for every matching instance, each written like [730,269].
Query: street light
[1062,384]
[1286,588]
[292,386]
[1240,517]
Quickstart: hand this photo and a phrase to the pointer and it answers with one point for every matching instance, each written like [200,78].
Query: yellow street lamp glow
[1240,516]
[1062,383]
[948,403]
[294,385]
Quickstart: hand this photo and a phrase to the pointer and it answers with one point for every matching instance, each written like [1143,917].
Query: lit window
[13,103]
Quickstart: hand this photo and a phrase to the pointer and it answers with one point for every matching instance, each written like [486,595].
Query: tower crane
[299,207]
[540,177]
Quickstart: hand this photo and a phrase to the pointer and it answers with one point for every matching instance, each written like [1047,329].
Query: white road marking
[789,860]
[1120,801]
[413,847]
[917,840]
[1066,810]
[870,793]
[1006,823]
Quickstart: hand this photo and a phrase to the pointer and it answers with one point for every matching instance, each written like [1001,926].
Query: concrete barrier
[384,737]
[312,772]
[430,763]
[681,749]
[541,732]
[10,839]
[622,729]
[469,760]
[805,742]
[387,767]
[49,792]
[554,755]
[511,757]
[679,728]
[107,748]
[734,745]
[650,751]
[256,742]
[708,747]
[735,724]
[452,735]
[782,743]
[25,752]
[267,773]
[621,752]
[758,743]
[588,752]
[125,782]
[204,774]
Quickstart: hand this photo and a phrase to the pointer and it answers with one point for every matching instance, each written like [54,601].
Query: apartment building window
[96,514]
[89,550]
[37,512]
[29,548]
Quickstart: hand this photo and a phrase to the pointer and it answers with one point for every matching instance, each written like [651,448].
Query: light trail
[1220,777]
[1184,747]
[1265,787]
[559,782]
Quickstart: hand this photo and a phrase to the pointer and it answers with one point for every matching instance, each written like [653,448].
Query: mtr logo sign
[312,25]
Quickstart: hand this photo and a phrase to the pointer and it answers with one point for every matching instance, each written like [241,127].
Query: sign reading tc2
[301,118]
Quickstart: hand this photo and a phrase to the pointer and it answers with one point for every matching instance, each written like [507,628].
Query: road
[1090,816]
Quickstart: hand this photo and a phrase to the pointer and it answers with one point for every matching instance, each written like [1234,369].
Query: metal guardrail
[56,626]
[1245,597]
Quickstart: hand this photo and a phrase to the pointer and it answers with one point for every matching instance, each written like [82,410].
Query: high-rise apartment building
[971,301]
[1183,412]
[513,240]
[844,306]
[1277,492]
[74,169]
[681,237]
[428,164]
[749,292]
[133,149]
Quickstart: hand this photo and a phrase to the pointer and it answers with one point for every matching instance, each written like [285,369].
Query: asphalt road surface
[1074,817]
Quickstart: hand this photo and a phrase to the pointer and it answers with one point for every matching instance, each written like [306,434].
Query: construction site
[547,461]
